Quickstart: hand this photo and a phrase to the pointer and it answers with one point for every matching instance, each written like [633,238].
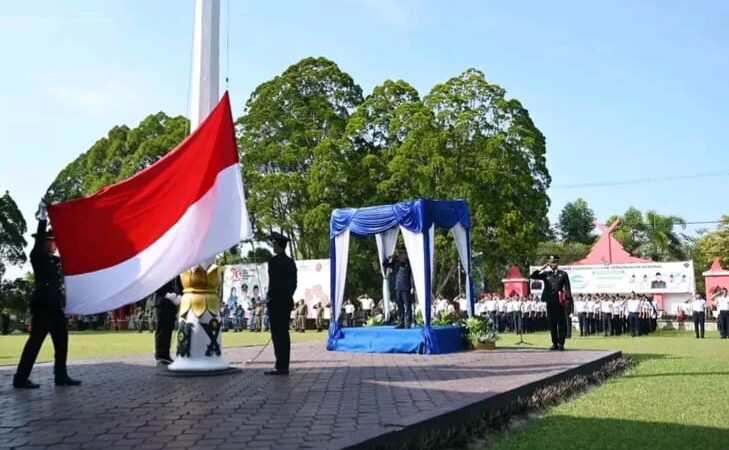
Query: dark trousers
[404,307]
[581,320]
[557,322]
[41,325]
[165,314]
[634,324]
[281,338]
[699,324]
[607,324]
[722,322]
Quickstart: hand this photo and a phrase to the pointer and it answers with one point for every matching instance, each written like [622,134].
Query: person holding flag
[46,308]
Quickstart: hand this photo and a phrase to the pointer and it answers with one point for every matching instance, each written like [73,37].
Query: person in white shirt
[579,311]
[462,303]
[367,303]
[617,315]
[491,308]
[698,308]
[721,298]
[633,305]
[606,312]
[501,305]
[590,315]
[349,309]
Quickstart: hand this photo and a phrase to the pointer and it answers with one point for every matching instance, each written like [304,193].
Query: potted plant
[481,333]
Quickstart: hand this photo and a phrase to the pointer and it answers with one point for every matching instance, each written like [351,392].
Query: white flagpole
[201,331]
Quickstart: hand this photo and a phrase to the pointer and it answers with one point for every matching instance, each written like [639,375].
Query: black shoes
[67,381]
[561,347]
[164,362]
[554,347]
[276,372]
[25,384]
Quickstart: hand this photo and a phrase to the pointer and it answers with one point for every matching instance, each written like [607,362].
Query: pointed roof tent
[607,250]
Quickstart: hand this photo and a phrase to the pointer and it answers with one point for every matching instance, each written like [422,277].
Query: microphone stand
[521,330]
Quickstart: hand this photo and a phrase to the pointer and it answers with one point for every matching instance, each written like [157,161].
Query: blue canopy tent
[416,220]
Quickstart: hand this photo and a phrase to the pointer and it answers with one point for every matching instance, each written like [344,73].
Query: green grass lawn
[108,344]
[677,397]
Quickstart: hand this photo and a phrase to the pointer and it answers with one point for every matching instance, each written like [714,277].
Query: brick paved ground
[330,399]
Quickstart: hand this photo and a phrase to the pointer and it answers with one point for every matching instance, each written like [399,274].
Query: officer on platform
[403,287]
[166,300]
[556,295]
[46,308]
[281,288]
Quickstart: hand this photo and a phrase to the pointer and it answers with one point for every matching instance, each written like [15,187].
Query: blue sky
[623,90]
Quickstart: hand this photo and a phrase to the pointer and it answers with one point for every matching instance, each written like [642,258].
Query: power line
[641,180]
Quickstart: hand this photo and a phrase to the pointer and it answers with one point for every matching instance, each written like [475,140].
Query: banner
[313,284]
[242,282]
[644,278]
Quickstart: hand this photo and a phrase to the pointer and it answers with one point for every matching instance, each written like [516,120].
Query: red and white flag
[123,242]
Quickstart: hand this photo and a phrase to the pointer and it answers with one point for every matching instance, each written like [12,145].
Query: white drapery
[460,236]
[415,246]
[386,242]
[341,246]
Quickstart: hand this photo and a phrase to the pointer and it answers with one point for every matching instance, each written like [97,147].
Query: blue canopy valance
[415,216]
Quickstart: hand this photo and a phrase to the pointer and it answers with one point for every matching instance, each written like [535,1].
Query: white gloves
[42,213]
[176,300]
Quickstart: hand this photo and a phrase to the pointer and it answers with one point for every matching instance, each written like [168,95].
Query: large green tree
[119,155]
[471,142]
[714,244]
[291,124]
[575,223]
[12,229]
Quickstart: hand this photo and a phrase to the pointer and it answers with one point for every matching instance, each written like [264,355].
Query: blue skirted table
[388,339]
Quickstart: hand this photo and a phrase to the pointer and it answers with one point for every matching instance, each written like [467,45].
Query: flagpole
[201,352]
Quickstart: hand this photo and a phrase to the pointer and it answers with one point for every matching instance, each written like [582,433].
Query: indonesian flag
[125,241]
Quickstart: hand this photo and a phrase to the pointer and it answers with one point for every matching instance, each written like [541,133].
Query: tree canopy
[119,155]
[575,222]
[12,229]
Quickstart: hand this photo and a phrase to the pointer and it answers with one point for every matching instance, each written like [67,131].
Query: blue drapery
[417,216]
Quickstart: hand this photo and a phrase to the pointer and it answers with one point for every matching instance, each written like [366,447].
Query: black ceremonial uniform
[46,309]
[165,311]
[554,283]
[281,288]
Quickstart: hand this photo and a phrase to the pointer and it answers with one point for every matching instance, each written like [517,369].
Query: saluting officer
[46,308]
[556,295]
[281,288]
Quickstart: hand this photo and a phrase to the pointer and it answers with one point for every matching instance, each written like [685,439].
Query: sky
[631,95]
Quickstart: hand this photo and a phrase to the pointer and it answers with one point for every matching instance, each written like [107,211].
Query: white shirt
[606,307]
[579,306]
[617,308]
[462,304]
[633,305]
[366,303]
[501,305]
[698,305]
[349,308]
[722,303]
[490,305]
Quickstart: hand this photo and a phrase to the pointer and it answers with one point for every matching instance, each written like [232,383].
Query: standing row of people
[615,314]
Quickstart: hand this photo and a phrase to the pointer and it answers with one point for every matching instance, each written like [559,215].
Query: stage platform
[330,400]
[388,339]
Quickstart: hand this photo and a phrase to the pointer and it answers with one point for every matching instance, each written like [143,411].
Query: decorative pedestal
[198,335]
